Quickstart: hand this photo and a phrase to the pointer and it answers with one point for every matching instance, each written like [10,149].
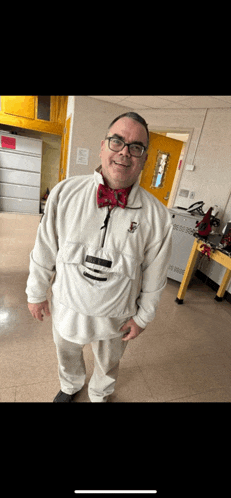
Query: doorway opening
[162,171]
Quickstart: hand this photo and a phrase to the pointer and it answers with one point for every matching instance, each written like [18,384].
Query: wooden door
[160,168]
[64,151]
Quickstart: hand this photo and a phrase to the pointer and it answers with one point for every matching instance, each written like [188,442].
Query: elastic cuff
[140,322]
[36,300]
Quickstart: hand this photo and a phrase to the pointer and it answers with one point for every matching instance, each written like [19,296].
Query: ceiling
[167,101]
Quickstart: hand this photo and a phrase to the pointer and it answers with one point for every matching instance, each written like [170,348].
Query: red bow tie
[107,196]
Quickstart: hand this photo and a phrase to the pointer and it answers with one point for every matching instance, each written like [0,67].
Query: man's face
[121,169]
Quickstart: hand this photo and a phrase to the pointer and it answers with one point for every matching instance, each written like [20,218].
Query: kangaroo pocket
[96,282]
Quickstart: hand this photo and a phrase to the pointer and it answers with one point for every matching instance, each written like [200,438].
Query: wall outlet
[192,195]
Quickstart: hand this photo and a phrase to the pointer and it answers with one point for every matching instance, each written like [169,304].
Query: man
[106,243]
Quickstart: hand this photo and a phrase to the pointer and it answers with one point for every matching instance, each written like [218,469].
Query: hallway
[184,355]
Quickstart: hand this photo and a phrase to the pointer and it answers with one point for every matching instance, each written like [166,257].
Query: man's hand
[36,310]
[133,332]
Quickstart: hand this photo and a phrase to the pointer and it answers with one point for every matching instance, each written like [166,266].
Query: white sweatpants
[72,371]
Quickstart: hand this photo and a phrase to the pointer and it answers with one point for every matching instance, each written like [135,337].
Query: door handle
[167,196]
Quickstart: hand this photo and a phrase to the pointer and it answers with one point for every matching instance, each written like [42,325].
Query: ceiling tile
[203,102]
[167,101]
[108,98]
[226,98]
[146,100]
[123,97]
[175,98]
[133,106]
[174,105]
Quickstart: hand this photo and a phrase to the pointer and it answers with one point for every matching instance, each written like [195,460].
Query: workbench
[216,255]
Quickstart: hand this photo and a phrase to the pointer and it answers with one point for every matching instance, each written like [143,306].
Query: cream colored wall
[90,121]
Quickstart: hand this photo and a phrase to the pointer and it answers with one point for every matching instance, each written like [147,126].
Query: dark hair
[136,117]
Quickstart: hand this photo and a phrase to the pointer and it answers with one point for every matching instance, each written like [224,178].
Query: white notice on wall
[82,156]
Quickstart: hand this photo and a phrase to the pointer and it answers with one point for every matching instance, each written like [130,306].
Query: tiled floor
[184,355]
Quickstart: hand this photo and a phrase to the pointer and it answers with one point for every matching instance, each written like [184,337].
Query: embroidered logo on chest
[133,227]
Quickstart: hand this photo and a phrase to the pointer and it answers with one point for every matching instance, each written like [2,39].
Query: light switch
[190,167]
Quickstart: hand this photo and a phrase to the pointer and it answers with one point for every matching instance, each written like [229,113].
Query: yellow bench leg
[188,273]
[222,288]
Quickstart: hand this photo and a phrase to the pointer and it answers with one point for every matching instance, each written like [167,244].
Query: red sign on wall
[8,142]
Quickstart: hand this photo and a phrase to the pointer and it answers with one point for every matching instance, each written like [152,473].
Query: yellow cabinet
[33,112]
[19,105]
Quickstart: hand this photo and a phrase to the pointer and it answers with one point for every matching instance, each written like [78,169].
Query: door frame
[178,173]
[65,148]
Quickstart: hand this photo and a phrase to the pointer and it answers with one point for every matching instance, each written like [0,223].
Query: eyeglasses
[117,144]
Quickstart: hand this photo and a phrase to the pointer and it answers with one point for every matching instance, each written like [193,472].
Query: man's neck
[114,186]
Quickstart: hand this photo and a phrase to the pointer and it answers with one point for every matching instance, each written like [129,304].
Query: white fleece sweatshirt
[118,271]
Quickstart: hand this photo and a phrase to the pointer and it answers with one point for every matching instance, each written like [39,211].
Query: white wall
[213,160]
[90,121]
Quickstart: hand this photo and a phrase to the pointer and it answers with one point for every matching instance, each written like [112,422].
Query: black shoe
[63,397]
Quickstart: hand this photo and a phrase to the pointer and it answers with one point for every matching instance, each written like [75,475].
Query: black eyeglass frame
[128,144]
